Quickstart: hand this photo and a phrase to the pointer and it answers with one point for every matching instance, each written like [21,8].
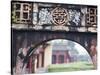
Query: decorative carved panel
[21,12]
[59,16]
[44,16]
[91,16]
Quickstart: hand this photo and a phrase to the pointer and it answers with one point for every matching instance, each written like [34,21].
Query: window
[53,59]
[61,58]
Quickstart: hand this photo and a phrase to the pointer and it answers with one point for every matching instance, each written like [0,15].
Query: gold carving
[59,16]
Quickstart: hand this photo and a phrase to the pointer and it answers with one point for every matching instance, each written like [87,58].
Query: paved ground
[42,70]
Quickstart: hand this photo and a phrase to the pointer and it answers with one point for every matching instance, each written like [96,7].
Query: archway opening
[59,55]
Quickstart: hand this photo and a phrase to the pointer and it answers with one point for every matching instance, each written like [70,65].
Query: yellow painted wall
[48,56]
[35,65]
[40,60]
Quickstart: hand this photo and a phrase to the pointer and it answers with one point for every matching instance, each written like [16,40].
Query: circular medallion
[59,16]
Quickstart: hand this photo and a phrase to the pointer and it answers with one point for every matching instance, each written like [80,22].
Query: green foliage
[76,66]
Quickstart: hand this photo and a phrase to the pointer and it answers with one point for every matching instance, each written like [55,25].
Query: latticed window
[21,12]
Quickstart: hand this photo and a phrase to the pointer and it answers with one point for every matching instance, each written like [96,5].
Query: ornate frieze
[47,16]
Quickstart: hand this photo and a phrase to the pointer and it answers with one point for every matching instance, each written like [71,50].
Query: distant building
[60,57]
[60,53]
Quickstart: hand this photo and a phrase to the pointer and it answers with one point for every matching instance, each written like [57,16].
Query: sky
[81,50]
